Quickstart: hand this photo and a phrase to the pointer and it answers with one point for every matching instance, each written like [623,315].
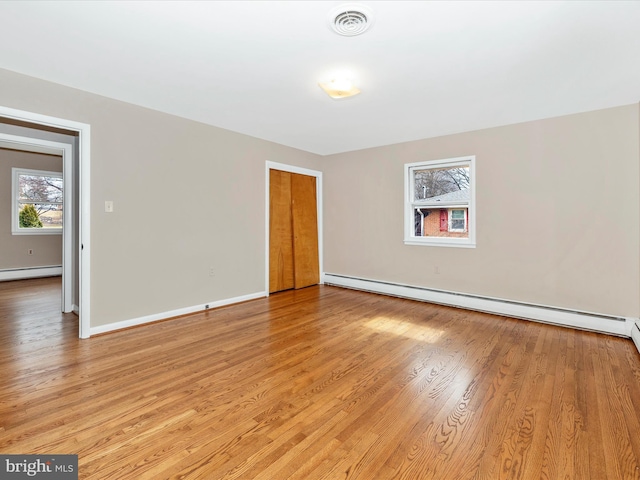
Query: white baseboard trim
[635,334]
[75,309]
[31,272]
[110,327]
[610,324]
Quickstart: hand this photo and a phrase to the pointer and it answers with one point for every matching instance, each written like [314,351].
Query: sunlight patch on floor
[416,331]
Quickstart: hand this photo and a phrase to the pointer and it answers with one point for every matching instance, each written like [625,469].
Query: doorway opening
[29,132]
[21,151]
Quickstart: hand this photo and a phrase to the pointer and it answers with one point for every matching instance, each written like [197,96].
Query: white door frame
[303,171]
[84,159]
[37,145]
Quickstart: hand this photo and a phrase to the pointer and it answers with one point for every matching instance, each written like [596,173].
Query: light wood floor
[320,383]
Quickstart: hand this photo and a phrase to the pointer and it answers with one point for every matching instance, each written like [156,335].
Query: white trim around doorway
[84,167]
[303,171]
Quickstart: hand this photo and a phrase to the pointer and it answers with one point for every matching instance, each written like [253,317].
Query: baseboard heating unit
[621,326]
[30,272]
[635,334]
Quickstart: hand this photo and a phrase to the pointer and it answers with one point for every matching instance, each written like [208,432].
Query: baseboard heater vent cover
[635,334]
[596,322]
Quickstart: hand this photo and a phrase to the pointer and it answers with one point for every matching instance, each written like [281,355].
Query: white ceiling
[425,68]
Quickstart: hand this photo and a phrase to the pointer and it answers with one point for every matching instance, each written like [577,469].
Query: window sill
[440,242]
[39,231]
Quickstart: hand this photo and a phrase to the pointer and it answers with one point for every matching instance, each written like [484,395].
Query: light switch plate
[108,206]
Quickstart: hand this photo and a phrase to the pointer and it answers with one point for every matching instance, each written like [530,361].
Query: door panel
[305,230]
[280,232]
[293,231]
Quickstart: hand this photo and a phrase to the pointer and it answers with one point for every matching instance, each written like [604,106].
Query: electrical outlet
[30,251]
[436,270]
[212,272]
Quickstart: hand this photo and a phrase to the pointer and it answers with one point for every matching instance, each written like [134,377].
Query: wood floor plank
[320,383]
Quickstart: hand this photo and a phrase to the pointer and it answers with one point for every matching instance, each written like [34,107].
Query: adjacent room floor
[318,383]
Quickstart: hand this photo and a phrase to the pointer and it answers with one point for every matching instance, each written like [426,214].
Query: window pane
[457,220]
[439,222]
[38,189]
[435,182]
[37,204]
[41,215]
[439,202]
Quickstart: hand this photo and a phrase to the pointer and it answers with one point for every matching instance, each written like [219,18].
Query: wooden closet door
[280,232]
[293,231]
[305,230]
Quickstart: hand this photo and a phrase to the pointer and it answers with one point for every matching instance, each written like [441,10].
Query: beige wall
[557,213]
[557,208]
[47,249]
[187,197]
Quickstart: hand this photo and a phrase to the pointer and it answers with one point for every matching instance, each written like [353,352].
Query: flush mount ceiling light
[339,88]
[350,20]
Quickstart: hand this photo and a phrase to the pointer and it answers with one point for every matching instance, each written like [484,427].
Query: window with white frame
[440,202]
[458,219]
[37,202]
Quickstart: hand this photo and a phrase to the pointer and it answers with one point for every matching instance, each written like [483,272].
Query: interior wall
[47,249]
[187,197]
[557,209]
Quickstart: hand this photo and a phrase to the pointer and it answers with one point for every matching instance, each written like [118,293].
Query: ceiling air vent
[350,20]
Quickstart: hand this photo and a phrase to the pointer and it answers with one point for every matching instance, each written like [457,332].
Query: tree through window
[37,201]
